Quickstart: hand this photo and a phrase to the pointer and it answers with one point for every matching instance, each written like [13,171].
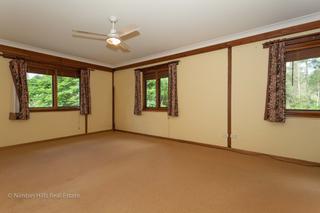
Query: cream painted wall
[202,91]
[297,138]
[101,102]
[202,94]
[47,125]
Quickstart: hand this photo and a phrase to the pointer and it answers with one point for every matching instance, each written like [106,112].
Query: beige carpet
[124,173]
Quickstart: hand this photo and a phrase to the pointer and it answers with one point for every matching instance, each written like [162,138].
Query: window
[40,90]
[155,84]
[164,92]
[68,91]
[303,82]
[151,96]
[53,89]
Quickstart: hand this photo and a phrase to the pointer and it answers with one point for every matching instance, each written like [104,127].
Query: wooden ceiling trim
[255,38]
[13,52]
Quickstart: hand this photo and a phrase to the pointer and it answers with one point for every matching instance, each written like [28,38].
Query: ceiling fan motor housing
[113,35]
[113,19]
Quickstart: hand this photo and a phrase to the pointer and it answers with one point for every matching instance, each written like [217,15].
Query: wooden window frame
[156,73]
[54,71]
[309,48]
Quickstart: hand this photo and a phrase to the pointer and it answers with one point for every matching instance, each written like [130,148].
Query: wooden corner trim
[229,102]
[250,39]
[113,103]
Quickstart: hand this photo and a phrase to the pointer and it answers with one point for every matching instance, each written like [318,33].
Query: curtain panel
[85,96]
[173,93]
[18,70]
[137,93]
[276,92]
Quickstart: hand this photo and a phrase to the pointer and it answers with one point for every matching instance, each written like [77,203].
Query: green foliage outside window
[151,93]
[303,84]
[40,90]
[164,92]
[68,92]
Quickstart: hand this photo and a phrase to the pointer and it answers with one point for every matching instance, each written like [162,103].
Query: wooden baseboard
[240,151]
[97,132]
[52,139]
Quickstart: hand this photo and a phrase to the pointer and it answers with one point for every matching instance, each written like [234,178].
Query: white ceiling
[165,24]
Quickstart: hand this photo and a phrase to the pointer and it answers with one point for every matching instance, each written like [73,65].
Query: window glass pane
[151,93]
[164,92]
[40,90]
[303,84]
[68,91]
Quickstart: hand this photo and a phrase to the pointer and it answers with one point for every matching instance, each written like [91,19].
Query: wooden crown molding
[250,39]
[13,52]
[157,67]
[295,40]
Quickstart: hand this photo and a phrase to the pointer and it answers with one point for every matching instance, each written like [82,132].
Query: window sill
[303,113]
[54,109]
[155,110]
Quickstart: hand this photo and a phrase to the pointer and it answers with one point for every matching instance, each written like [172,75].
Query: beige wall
[101,102]
[297,138]
[202,92]
[47,125]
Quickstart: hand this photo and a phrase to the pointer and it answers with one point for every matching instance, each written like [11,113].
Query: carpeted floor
[126,173]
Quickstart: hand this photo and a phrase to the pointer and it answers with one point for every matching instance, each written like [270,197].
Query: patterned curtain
[85,97]
[137,94]
[173,93]
[19,75]
[276,93]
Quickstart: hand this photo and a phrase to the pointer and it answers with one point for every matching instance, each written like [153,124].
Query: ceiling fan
[114,39]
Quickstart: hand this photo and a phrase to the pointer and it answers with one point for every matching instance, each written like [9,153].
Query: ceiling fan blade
[128,30]
[124,47]
[112,47]
[89,33]
[88,37]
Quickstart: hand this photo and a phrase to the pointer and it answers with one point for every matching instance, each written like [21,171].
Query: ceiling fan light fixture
[113,41]
[114,38]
